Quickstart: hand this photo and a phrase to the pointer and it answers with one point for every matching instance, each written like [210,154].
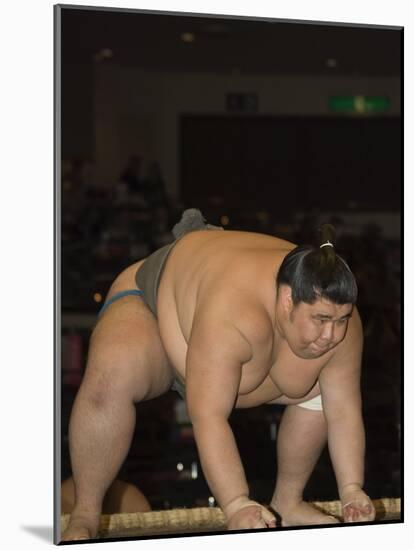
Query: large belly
[295,380]
[266,392]
[256,385]
[175,345]
[176,348]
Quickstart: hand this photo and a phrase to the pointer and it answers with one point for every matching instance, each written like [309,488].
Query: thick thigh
[126,353]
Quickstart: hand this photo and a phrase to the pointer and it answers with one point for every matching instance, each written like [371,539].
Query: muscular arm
[216,353]
[340,388]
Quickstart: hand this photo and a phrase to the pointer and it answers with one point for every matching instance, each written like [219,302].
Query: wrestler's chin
[312,351]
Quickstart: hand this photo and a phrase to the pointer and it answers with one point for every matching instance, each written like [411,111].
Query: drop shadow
[42,532]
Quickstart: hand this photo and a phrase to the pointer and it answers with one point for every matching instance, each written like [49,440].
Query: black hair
[315,272]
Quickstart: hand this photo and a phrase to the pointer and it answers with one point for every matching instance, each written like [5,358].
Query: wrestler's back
[217,266]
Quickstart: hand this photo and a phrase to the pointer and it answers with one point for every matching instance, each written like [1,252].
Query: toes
[259,525]
[269,518]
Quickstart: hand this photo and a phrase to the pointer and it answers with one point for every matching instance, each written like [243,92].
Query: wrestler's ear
[285,297]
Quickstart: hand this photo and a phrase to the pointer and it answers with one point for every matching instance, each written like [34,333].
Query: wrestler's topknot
[315,272]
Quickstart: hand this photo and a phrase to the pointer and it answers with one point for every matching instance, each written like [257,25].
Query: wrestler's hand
[356,505]
[250,515]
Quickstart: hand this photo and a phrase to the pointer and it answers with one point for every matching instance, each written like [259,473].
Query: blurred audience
[131,176]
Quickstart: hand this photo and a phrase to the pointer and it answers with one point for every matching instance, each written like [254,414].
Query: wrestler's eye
[342,321]
[320,321]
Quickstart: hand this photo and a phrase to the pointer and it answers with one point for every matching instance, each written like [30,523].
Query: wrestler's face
[312,330]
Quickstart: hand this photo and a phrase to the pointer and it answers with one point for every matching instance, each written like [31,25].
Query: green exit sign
[359,104]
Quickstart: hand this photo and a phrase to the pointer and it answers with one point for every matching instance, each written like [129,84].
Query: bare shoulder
[231,307]
[339,380]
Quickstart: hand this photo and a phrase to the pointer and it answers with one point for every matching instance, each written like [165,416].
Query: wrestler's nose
[327,334]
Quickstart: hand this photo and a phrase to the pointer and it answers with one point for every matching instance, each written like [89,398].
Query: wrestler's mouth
[321,348]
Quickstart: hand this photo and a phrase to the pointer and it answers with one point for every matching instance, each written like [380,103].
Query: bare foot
[302,513]
[80,528]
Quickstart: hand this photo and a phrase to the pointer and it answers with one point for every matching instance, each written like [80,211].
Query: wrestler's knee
[116,373]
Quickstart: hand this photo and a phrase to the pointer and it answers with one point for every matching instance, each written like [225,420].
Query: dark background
[237,123]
